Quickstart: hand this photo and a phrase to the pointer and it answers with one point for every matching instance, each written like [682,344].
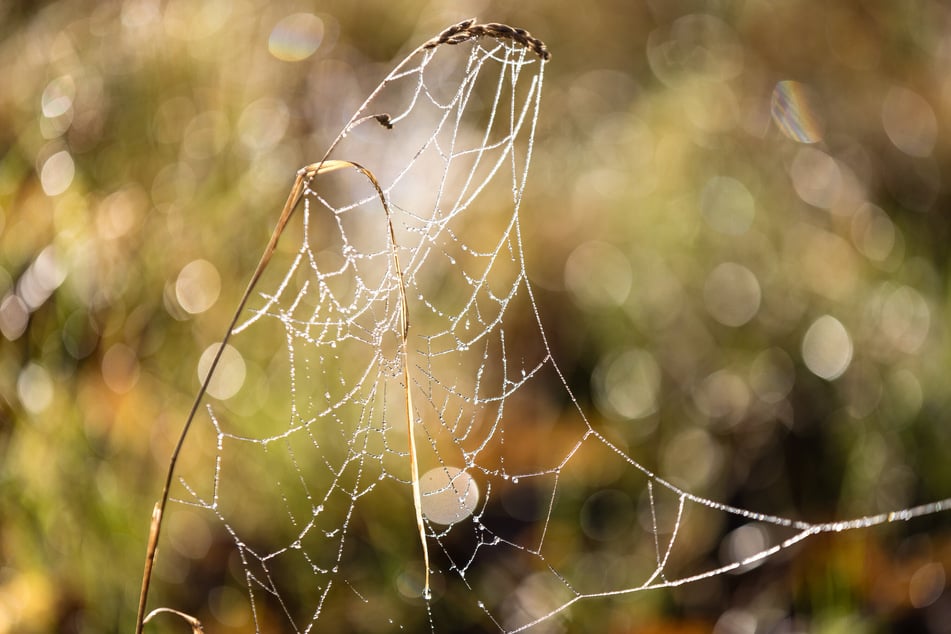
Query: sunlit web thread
[312,498]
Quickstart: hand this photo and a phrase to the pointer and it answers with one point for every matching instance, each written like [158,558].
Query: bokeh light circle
[732,294]
[598,275]
[626,386]
[448,495]
[827,348]
[229,375]
[793,109]
[296,37]
[727,205]
[910,122]
[198,286]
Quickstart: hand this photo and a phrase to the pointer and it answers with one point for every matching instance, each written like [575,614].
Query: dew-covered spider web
[302,482]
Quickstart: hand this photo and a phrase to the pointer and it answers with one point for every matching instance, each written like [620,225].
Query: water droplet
[327,395]
[334,570]
[514,480]
[296,545]
[427,594]
[319,509]
[505,476]
[452,260]
[464,247]
[481,605]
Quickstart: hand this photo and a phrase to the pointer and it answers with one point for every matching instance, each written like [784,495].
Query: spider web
[306,470]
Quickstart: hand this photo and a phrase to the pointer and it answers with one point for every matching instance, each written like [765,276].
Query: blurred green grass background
[745,204]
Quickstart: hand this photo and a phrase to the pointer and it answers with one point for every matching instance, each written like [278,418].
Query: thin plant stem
[293,199]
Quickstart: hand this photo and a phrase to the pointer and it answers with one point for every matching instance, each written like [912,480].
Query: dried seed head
[468,30]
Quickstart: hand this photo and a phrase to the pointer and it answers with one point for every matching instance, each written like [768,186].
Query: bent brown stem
[303,178]
[301,182]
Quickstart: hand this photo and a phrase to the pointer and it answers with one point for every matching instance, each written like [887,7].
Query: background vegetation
[747,279]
